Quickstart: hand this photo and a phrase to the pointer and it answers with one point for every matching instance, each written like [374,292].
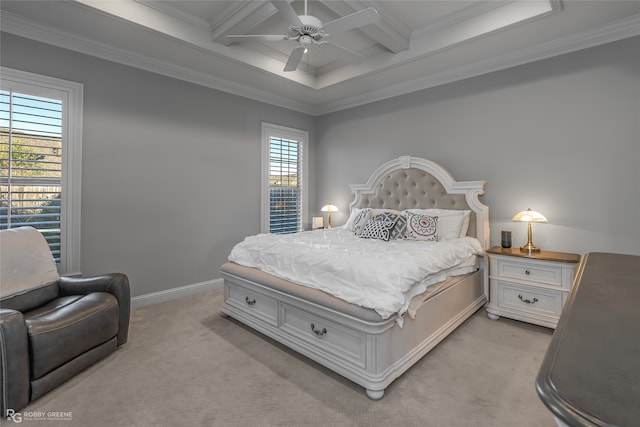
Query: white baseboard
[179,292]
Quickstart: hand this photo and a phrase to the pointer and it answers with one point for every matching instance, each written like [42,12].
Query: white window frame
[270,130]
[71,94]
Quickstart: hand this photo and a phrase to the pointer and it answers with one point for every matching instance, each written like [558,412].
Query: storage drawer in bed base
[369,353]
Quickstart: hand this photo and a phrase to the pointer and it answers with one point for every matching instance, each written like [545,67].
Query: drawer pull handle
[318,332]
[528,301]
[250,302]
[527,272]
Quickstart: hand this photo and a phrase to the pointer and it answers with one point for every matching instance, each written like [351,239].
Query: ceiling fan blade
[354,20]
[348,55]
[264,37]
[294,59]
[286,10]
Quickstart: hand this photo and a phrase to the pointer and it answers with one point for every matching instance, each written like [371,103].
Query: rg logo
[14,416]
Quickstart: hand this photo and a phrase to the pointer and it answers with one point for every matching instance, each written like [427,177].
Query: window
[284,165]
[40,146]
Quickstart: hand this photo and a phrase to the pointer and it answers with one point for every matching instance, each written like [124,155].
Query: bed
[358,342]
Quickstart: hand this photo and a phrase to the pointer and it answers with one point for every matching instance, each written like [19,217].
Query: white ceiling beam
[389,31]
[240,19]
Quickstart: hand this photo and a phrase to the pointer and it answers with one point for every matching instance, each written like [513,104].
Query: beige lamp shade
[328,209]
[529,216]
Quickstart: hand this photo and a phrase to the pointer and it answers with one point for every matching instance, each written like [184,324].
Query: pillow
[26,262]
[360,220]
[378,228]
[465,224]
[391,215]
[352,217]
[421,227]
[452,224]
[401,227]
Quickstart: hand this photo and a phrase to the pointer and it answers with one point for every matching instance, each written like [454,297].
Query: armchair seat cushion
[67,327]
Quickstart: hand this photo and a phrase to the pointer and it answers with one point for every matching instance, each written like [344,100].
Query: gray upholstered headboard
[412,182]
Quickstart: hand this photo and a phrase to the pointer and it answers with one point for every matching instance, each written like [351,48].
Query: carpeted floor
[184,365]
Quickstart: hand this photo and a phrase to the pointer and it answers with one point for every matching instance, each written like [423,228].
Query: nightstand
[532,287]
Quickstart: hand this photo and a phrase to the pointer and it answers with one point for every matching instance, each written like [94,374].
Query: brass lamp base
[529,247]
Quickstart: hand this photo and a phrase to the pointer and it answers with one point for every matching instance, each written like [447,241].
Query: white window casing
[284,183]
[71,96]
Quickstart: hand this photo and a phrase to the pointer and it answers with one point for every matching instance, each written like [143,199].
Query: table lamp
[328,209]
[529,216]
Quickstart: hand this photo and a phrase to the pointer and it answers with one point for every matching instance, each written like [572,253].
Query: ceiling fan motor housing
[311,26]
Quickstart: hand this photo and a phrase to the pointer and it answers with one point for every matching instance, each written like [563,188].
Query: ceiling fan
[308,30]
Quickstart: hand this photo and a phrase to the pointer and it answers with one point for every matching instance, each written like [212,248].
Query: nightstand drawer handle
[250,302]
[527,272]
[528,301]
[318,332]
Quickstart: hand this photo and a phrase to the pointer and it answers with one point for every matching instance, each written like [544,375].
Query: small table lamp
[529,216]
[329,208]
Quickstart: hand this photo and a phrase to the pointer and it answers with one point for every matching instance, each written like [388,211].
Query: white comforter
[367,272]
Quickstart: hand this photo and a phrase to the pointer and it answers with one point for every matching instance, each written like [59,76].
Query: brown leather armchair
[52,327]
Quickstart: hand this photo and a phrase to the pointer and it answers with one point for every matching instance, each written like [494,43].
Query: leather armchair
[52,327]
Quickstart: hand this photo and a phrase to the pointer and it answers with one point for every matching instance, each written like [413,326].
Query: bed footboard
[354,342]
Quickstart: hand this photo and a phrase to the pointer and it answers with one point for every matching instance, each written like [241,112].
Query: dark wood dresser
[590,375]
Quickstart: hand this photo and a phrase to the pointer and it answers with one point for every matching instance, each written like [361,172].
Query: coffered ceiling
[413,45]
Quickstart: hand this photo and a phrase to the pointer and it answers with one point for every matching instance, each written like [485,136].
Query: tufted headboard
[411,182]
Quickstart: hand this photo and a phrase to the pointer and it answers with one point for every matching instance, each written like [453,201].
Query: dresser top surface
[591,374]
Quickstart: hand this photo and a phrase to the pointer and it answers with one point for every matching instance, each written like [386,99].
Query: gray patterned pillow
[401,227]
[378,228]
[400,220]
[360,220]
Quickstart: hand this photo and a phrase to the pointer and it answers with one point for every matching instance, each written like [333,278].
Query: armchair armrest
[117,284]
[14,361]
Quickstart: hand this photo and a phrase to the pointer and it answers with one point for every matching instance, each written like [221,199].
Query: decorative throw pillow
[360,220]
[378,229]
[450,222]
[421,227]
[401,227]
[352,217]
[399,219]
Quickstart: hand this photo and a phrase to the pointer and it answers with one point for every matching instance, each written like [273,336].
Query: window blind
[31,165]
[285,195]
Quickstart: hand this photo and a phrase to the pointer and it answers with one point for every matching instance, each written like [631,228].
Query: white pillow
[465,223]
[352,217]
[452,223]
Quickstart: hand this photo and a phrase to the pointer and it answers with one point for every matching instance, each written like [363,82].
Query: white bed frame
[353,341]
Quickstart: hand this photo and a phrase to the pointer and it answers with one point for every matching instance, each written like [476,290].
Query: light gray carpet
[184,365]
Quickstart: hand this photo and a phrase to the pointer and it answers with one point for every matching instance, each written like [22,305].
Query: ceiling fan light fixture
[307,29]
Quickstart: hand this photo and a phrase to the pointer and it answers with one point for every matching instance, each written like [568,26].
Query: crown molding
[622,29]
[16,25]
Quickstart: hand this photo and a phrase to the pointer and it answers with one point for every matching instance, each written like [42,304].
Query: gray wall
[171,170]
[561,136]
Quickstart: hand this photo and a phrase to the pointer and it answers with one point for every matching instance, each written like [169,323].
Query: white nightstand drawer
[527,299]
[530,271]
[254,303]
